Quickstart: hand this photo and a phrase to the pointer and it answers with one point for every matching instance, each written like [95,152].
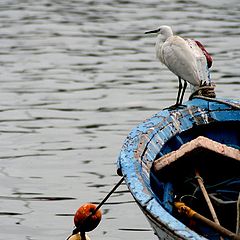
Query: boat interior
[204,174]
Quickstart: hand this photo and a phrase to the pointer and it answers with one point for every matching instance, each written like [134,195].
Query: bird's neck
[159,42]
[167,33]
[162,38]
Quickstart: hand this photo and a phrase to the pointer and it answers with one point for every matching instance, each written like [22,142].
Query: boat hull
[166,131]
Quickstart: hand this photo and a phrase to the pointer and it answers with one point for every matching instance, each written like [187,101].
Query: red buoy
[87,218]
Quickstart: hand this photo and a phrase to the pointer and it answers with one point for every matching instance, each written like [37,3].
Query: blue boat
[170,158]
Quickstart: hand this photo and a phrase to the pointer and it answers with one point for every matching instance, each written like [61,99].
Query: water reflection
[76,76]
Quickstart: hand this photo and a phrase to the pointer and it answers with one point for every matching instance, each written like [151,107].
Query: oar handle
[183,209]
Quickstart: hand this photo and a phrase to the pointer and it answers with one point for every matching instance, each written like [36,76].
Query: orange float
[87,218]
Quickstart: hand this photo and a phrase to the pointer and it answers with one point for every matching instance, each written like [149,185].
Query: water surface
[76,77]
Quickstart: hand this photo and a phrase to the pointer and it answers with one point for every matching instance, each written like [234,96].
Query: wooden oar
[205,194]
[208,201]
[183,209]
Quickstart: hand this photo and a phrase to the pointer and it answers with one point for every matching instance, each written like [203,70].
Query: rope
[198,177]
[204,90]
[77,229]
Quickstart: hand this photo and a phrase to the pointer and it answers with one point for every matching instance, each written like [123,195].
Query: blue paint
[163,133]
[168,197]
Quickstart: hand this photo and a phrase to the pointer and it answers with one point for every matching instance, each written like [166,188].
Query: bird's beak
[153,31]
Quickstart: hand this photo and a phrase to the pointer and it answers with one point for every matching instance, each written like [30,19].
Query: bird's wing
[178,57]
[205,52]
[201,60]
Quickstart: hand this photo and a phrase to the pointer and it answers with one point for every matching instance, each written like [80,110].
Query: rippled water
[76,76]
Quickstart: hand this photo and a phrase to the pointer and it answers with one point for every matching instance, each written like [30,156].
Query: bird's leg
[179,91]
[179,95]
[183,91]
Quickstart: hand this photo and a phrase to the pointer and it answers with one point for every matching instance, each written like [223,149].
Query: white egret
[186,58]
